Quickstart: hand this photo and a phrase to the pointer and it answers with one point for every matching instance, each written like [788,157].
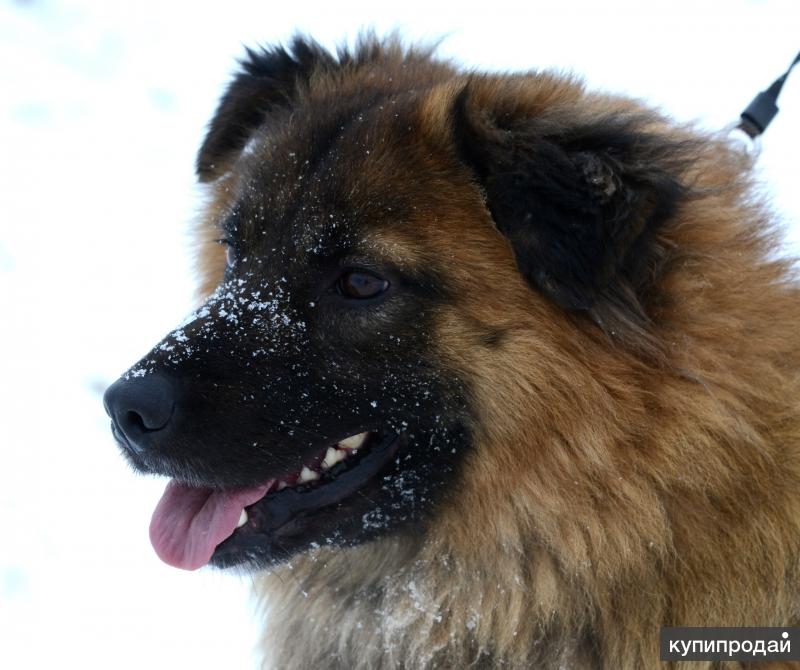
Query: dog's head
[386,239]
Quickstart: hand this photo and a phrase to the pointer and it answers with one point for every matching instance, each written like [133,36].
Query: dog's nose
[139,407]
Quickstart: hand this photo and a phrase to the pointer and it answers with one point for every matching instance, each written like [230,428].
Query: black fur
[580,205]
[269,78]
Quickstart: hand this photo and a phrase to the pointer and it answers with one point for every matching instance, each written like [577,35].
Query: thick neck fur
[386,605]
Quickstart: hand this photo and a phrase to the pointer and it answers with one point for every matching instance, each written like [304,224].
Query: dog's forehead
[320,185]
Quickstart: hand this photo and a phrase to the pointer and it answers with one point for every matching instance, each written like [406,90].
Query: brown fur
[622,478]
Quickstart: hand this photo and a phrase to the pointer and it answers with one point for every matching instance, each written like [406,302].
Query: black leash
[755,119]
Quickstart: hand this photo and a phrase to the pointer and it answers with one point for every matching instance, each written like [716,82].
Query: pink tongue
[189,522]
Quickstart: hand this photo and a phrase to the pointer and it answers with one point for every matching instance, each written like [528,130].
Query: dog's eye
[360,285]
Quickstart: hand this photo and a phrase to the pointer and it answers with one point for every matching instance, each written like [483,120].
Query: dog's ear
[268,78]
[579,200]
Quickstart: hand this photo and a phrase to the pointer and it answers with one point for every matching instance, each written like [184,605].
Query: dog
[490,371]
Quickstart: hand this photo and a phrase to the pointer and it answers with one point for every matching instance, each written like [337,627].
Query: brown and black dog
[491,371]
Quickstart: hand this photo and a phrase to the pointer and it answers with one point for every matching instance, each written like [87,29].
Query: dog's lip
[120,438]
[267,516]
[153,462]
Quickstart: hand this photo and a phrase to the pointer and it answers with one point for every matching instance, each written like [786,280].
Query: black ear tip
[269,77]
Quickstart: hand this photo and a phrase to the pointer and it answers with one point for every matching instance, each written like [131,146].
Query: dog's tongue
[189,522]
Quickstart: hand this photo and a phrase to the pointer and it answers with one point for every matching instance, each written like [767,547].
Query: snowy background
[102,107]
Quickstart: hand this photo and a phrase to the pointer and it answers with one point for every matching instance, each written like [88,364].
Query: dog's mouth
[193,525]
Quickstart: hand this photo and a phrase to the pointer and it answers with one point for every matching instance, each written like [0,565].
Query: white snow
[103,107]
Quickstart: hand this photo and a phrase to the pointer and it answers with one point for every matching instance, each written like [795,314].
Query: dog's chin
[339,503]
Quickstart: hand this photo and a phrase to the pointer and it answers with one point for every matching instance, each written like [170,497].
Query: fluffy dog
[491,371]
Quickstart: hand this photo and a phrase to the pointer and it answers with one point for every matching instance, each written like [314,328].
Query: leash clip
[763,108]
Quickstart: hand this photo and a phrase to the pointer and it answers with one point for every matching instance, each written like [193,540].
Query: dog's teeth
[282,485]
[354,441]
[307,475]
[242,519]
[332,457]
